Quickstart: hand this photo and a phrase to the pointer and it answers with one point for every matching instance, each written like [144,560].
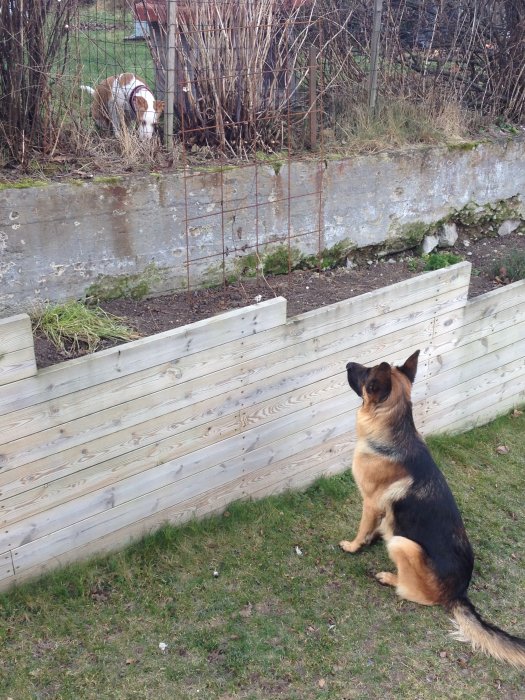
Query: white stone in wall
[448,235]
[429,243]
[508,226]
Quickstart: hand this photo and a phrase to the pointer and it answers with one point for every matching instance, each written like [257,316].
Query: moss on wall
[485,219]
[474,219]
[136,286]
[22,184]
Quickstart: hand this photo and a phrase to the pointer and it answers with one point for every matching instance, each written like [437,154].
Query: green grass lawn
[275,623]
[96,49]
[99,49]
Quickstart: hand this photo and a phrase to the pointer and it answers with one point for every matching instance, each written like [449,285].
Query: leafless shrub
[471,53]
[240,70]
[33,43]
[452,61]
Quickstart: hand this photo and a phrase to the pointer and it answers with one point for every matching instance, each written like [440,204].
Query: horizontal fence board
[491,402]
[478,350]
[16,333]
[333,458]
[441,402]
[235,364]
[43,548]
[48,494]
[59,465]
[302,478]
[486,308]
[500,321]
[125,451]
[17,350]
[491,369]
[96,458]
[17,365]
[100,367]
[6,566]
[468,420]
[386,299]
[72,376]
[336,346]
[228,454]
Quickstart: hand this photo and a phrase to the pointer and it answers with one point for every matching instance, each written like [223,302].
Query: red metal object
[157,10]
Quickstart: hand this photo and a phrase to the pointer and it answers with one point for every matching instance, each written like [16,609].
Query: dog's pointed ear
[409,369]
[159,106]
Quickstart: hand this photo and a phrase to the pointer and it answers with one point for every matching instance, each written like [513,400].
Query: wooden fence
[99,450]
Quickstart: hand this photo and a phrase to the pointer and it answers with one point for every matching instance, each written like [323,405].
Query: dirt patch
[303,289]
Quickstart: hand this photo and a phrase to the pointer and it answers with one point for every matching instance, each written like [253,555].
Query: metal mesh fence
[229,64]
[259,85]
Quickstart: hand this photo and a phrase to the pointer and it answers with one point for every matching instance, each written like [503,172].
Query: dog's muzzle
[357,375]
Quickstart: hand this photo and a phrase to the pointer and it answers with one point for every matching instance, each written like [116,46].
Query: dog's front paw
[350,547]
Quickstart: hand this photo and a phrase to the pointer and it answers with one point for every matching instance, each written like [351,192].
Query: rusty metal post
[374,55]
[170,74]
[312,75]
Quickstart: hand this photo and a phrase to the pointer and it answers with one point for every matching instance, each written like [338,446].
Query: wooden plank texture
[103,449]
[332,459]
[90,370]
[59,541]
[6,566]
[15,333]
[467,415]
[485,308]
[17,350]
[256,445]
[335,345]
[238,360]
[259,395]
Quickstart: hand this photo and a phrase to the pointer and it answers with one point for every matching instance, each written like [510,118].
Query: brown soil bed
[304,290]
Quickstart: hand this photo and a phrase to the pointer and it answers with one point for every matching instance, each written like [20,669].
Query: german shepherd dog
[407,502]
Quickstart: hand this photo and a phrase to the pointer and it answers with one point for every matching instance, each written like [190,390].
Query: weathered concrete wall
[138,233]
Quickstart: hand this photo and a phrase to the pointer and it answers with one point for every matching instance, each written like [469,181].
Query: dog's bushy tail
[87,89]
[471,627]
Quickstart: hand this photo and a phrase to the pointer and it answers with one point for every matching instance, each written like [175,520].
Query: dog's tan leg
[367,531]
[415,580]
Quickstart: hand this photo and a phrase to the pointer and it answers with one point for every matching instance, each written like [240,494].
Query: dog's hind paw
[387,578]
[350,547]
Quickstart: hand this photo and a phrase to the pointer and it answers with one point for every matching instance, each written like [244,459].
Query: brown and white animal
[127,98]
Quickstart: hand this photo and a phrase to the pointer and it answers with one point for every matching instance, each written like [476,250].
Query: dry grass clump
[75,329]
[239,71]
[397,122]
